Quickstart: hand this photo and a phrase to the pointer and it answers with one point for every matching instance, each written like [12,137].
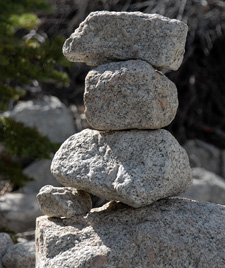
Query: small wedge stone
[111,36]
[128,95]
[134,167]
[63,201]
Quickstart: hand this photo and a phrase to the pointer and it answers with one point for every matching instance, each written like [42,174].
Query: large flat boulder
[111,36]
[127,95]
[134,167]
[169,233]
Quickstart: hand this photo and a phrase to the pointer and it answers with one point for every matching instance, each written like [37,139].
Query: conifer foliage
[23,59]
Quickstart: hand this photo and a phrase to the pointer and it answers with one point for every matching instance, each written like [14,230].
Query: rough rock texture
[169,233]
[63,201]
[20,255]
[18,211]
[5,242]
[111,36]
[130,94]
[49,115]
[40,172]
[206,187]
[134,167]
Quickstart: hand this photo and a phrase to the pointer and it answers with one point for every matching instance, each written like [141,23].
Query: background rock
[128,95]
[134,167]
[53,119]
[18,211]
[5,242]
[40,172]
[206,187]
[169,233]
[25,236]
[49,115]
[111,36]
[63,201]
[79,116]
[204,155]
[20,255]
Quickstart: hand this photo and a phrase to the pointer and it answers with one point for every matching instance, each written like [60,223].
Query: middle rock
[134,167]
[129,95]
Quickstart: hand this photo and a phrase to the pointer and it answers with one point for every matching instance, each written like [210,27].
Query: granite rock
[21,255]
[112,36]
[134,167]
[169,233]
[63,201]
[49,115]
[207,187]
[128,95]
[5,243]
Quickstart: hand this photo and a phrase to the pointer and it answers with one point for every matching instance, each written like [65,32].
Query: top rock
[111,36]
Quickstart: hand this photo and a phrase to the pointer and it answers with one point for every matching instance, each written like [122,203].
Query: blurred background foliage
[25,56]
[31,36]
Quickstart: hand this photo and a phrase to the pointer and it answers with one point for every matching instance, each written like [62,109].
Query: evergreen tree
[23,60]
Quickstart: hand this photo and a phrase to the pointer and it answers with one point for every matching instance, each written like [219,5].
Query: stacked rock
[127,157]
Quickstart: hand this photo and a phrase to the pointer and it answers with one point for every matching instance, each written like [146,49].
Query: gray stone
[128,95]
[112,36]
[63,201]
[5,243]
[206,186]
[49,115]
[204,155]
[40,172]
[18,211]
[169,233]
[20,255]
[134,167]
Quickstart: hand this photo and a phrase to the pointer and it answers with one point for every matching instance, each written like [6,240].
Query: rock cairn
[126,157]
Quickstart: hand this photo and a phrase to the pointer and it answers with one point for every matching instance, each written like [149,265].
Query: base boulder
[169,233]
